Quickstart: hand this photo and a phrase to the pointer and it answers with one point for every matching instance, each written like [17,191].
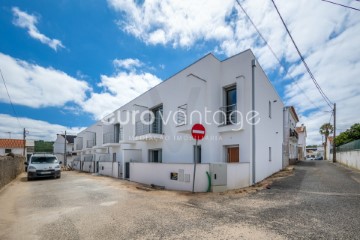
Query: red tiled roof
[11,143]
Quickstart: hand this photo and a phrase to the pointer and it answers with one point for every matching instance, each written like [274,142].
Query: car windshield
[43,159]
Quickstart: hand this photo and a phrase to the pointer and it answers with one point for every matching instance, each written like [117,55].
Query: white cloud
[37,129]
[28,21]
[127,64]
[180,23]
[118,90]
[36,86]
[325,34]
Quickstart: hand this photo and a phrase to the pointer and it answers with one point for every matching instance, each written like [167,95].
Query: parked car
[319,158]
[310,157]
[43,165]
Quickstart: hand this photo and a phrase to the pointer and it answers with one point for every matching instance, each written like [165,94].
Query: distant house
[15,146]
[301,131]
[30,148]
[59,148]
[290,144]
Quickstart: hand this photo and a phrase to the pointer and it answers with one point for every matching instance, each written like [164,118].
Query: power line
[327,100]
[342,5]
[273,53]
[7,91]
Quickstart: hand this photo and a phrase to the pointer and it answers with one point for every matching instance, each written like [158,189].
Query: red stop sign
[198,131]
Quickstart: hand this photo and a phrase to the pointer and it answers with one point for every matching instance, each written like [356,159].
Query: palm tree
[326,129]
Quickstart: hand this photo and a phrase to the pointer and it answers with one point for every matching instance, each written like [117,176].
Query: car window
[43,159]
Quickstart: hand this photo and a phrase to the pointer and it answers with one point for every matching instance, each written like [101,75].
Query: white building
[290,145]
[302,134]
[59,148]
[15,146]
[219,94]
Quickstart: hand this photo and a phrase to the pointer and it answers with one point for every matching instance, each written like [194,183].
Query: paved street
[320,200]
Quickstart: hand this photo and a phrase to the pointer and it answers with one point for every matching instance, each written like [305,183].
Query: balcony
[90,143]
[228,115]
[113,137]
[153,131]
[79,143]
[293,133]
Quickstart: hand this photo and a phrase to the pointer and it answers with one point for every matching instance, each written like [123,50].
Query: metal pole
[253,119]
[24,138]
[195,161]
[65,162]
[334,145]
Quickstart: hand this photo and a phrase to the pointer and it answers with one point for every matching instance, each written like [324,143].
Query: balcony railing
[228,115]
[90,143]
[104,158]
[142,128]
[111,137]
[79,143]
[293,133]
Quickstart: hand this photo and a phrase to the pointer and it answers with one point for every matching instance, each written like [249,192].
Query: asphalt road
[320,200]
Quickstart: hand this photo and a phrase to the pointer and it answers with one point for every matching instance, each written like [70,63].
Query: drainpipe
[253,65]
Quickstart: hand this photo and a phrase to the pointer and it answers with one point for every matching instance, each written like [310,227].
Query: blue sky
[66,62]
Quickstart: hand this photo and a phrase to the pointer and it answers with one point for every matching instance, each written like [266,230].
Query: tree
[326,129]
[349,135]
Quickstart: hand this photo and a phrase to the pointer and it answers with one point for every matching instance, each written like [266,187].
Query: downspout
[253,65]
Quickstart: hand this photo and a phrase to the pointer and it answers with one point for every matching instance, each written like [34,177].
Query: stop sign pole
[198,133]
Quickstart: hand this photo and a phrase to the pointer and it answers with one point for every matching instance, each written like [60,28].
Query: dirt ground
[83,206]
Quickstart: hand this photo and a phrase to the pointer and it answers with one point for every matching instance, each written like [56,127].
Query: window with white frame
[155,155]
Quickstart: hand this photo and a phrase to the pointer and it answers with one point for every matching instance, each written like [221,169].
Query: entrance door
[233,155]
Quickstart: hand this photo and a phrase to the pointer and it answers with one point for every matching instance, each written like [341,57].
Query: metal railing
[104,157]
[88,158]
[228,115]
[79,143]
[90,143]
[293,133]
[181,115]
[142,128]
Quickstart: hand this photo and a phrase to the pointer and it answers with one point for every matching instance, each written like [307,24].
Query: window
[232,154]
[198,154]
[156,127]
[230,105]
[269,109]
[269,154]
[155,155]
[117,132]
[7,150]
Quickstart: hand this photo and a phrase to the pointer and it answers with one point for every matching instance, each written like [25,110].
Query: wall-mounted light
[275,101]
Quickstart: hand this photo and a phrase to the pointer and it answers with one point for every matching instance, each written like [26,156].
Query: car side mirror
[60,162]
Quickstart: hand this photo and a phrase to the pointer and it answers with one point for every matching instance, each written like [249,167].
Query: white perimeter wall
[109,169]
[238,175]
[159,174]
[350,158]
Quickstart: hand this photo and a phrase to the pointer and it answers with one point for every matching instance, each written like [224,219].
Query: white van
[43,165]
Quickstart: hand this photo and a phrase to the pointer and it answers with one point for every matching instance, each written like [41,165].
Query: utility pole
[334,145]
[65,162]
[24,136]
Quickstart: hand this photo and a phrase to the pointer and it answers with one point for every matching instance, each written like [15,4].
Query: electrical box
[218,174]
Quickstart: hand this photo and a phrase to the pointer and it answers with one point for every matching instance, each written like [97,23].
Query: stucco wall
[350,158]
[159,174]
[10,168]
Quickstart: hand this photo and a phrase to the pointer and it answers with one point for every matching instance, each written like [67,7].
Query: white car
[310,157]
[43,165]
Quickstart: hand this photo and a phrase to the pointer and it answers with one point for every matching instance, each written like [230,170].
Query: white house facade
[233,99]
[290,145]
[302,134]
[59,148]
